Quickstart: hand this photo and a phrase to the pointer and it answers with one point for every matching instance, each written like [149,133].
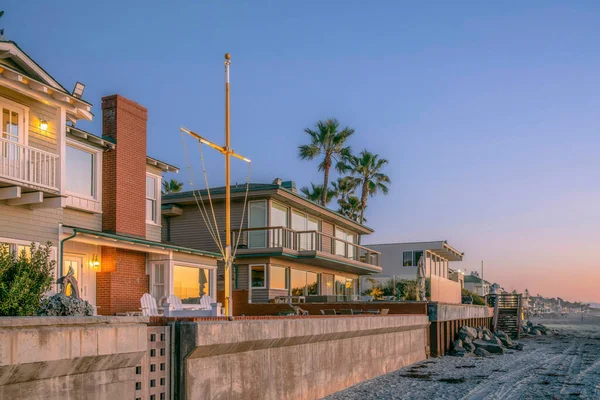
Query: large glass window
[312,283]
[278,278]
[257,218]
[327,284]
[279,218]
[191,283]
[151,199]
[80,172]
[416,257]
[407,258]
[258,276]
[345,286]
[10,125]
[340,246]
[304,283]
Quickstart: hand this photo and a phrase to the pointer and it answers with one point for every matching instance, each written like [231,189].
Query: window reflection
[80,171]
[190,283]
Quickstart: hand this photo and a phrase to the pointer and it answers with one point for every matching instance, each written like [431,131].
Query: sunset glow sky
[489,113]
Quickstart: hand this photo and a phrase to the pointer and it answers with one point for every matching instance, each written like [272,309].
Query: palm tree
[172,186]
[328,141]
[365,170]
[351,208]
[344,188]
[315,193]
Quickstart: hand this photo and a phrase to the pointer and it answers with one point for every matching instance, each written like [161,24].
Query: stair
[507,313]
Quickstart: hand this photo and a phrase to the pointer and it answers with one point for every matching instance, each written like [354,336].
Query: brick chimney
[124,169]
[123,280]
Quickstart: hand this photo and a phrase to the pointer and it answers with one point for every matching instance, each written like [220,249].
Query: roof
[161,164]
[256,187]
[474,279]
[145,242]
[440,248]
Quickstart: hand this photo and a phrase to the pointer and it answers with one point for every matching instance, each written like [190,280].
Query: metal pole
[228,261]
[482,281]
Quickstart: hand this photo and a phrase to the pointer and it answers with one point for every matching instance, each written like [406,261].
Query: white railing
[28,165]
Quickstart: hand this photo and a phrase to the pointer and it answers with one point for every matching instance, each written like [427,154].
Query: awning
[130,242]
[448,252]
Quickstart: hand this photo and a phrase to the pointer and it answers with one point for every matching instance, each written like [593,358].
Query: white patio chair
[205,302]
[174,303]
[149,308]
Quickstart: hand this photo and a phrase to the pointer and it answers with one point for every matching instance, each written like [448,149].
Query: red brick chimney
[123,280]
[124,169]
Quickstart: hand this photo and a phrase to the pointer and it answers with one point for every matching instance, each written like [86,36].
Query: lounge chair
[385,311]
[328,312]
[149,308]
[346,312]
[205,302]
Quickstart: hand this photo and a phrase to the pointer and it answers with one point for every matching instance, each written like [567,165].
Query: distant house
[473,283]
[399,261]
[288,245]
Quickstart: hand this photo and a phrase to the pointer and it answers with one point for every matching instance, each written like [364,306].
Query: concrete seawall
[298,358]
[70,357]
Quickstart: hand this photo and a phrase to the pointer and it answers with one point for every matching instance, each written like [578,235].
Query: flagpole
[228,260]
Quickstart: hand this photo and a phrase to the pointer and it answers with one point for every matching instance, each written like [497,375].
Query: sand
[560,366]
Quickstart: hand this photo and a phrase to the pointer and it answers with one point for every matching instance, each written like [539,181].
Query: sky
[488,112]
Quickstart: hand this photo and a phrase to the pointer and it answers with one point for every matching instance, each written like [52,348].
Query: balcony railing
[28,165]
[281,237]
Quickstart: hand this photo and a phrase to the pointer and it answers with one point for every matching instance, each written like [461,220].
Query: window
[327,283]
[191,283]
[279,218]
[278,279]
[312,283]
[304,283]
[304,222]
[158,281]
[257,218]
[407,258]
[17,248]
[152,198]
[340,247]
[258,276]
[345,286]
[416,257]
[80,168]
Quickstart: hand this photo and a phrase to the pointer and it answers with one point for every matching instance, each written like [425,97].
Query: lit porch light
[43,125]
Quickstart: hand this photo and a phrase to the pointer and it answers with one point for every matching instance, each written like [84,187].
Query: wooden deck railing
[279,236]
[28,165]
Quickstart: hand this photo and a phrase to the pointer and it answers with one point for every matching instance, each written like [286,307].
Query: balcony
[306,245]
[27,166]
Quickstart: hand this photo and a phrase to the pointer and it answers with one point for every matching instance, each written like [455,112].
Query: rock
[519,346]
[486,337]
[506,342]
[536,332]
[467,332]
[481,352]
[459,351]
[469,346]
[457,344]
[491,347]
[479,333]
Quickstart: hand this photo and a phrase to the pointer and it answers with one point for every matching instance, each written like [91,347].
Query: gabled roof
[22,73]
[268,189]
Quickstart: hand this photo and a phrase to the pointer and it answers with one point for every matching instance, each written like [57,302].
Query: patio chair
[366,298]
[328,312]
[385,311]
[205,302]
[347,312]
[149,308]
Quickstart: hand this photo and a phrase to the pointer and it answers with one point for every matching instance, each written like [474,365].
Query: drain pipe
[61,248]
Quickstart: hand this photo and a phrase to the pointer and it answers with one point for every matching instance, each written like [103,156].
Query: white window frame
[97,170]
[166,266]
[212,286]
[24,110]
[265,286]
[157,200]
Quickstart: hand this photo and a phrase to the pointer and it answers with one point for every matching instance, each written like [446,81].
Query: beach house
[95,197]
[400,260]
[288,246]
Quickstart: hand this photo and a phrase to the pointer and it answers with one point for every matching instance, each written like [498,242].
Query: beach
[565,364]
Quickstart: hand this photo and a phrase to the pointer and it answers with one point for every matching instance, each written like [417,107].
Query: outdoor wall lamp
[95,263]
[43,125]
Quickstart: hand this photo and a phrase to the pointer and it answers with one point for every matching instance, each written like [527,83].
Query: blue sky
[488,112]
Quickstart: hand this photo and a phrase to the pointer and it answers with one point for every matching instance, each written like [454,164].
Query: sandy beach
[560,366]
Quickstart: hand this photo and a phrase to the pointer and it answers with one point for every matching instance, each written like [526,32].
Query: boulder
[467,332]
[491,347]
[481,352]
[479,333]
[459,352]
[506,342]
[469,346]
[486,337]
[457,344]
[536,332]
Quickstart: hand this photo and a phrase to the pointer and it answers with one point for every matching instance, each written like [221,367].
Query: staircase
[507,313]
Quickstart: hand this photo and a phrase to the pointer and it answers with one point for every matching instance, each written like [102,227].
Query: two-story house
[401,262]
[96,198]
[288,245]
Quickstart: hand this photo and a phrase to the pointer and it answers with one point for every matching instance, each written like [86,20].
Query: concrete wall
[70,357]
[295,358]
[445,291]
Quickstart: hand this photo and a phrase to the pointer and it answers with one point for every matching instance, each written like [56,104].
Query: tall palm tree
[328,141]
[351,208]
[172,186]
[315,193]
[365,170]
[344,187]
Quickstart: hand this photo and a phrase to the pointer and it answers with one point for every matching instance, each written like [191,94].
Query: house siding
[82,219]
[40,225]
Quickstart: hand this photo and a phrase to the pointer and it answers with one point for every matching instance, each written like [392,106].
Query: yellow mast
[227,152]
[228,261]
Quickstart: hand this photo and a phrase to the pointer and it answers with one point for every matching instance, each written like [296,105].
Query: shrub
[477,299]
[24,279]
[60,305]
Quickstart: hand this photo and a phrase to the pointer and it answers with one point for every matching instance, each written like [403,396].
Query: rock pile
[481,342]
[529,328]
